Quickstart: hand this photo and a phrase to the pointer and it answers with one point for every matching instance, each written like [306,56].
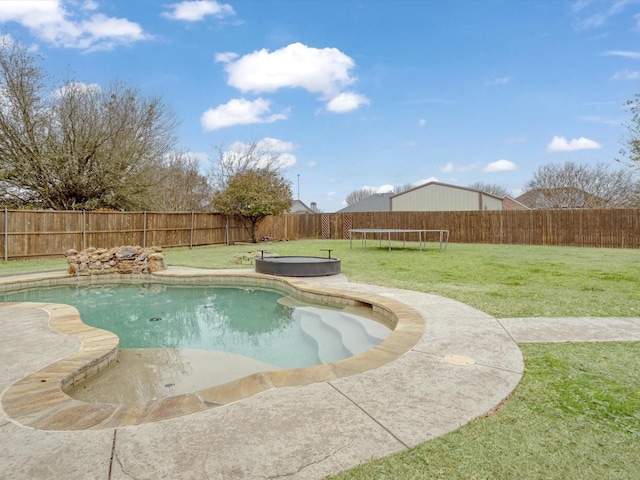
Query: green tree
[253,194]
[78,146]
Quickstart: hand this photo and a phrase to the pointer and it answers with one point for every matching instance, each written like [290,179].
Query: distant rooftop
[378,202]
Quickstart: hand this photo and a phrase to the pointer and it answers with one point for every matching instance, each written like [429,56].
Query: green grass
[13,267]
[575,416]
[576,413]
[502,280]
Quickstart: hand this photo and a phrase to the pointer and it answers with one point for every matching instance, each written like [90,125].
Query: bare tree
[78,146]
[490,188]
[574,185]
[403,188]
[241,157]
[365,192]
[358,195]
[180,186]
[631,141]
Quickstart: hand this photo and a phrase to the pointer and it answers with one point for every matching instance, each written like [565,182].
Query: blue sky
[358,94]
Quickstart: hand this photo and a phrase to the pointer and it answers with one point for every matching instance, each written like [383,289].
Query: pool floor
[144,374]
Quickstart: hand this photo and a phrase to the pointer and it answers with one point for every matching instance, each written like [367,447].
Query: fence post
[191,233]
[144,229]
[84,230]
[6,234]
[286,226]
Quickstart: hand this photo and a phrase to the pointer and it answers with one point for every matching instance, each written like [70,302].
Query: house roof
[517,202]
[297,206]
[428,184]
[378,202]
[564,197]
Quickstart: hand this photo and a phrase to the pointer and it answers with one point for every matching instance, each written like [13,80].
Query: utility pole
[298,186]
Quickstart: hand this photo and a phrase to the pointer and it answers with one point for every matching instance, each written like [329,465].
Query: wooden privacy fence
[38,233]
[615,228]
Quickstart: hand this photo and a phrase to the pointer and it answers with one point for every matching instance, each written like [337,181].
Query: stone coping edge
[39,399]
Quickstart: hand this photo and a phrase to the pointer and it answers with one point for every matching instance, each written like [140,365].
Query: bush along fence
[40,233]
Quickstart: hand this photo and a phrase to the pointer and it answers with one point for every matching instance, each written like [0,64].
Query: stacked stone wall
[124,259]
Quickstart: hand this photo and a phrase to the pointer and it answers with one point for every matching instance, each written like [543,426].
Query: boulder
[124,259]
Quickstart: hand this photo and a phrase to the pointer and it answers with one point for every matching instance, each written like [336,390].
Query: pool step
[326,339]
[374,331]
[338,335]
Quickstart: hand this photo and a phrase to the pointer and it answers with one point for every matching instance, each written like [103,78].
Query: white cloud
[623,53]
[51,22]
[590,14]
[267,150]
[201,157]
[448,168]
[77,87]
[561,144]
[497,166]
[280,148]
[498,81]
[32,12]
[516,192]
[239,112]
[424,180]
[500,166]
[346,102]
[422,122]
[287,160]
[225,57]
[385,188]
[626,75]
[324,71]
[195,11]
[452,167]
[388,188]
[275,145]
[89,5]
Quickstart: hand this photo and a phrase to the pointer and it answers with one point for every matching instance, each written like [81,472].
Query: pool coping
[38,400]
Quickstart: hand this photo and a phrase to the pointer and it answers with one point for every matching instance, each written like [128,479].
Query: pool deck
[465,364]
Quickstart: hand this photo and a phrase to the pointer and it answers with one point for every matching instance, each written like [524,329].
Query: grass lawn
[575,415]
[502,280]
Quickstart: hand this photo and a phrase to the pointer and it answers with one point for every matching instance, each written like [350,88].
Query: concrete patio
[463,366]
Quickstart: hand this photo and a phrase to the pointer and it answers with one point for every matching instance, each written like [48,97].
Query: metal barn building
[441,197]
